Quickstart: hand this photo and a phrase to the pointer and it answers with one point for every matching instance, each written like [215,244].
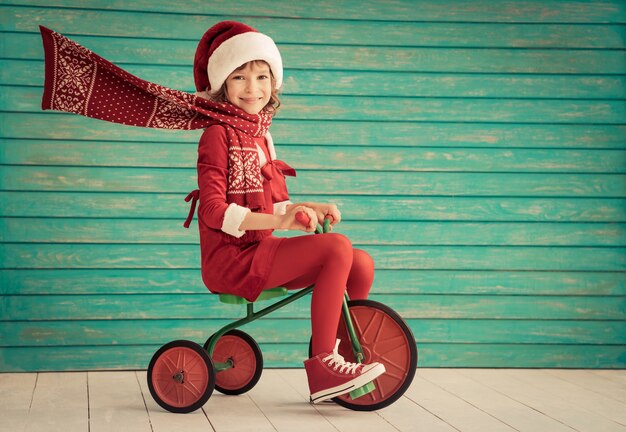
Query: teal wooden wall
[477,151]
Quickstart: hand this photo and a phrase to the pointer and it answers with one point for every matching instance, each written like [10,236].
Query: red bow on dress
[269,170]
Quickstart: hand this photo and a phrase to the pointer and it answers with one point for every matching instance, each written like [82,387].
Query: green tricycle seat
[265,295]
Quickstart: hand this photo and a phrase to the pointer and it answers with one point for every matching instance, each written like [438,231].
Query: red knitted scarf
[80,81]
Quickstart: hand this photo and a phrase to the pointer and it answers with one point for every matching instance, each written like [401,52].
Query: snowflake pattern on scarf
[73,77]
[169,116]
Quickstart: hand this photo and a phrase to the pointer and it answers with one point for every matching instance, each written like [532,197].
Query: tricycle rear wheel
[244,353]
[181,376]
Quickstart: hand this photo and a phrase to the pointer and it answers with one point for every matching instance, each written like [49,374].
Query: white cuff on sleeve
[280,208]
[233,217]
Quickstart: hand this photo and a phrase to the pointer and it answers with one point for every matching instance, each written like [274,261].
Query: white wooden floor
[482,400]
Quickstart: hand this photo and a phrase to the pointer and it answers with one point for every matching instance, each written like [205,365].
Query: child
[237,65]
[242,191]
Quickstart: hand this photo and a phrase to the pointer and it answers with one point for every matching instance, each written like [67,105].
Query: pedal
[362,391]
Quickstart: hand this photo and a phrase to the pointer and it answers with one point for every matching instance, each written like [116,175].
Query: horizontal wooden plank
[179,180]
[451,110]
[121,357]
[62,126]
[94,179]
[521,356]
[107,23]
[292,356]
[202,306]
[396,208]
[508,11]
[349,32]
[27,46]
[504,258]
[182,281]
[362,83]
[269,330]
[70,230]
[48,256]
[358,108]
[177,155]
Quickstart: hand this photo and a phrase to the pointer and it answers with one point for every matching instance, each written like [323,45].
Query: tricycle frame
[251,316]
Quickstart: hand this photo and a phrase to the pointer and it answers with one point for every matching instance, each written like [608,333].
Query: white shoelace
[339,362]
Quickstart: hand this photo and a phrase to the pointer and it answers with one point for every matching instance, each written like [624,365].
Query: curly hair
[274,103]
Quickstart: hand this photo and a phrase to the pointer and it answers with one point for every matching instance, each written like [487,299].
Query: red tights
[331,263]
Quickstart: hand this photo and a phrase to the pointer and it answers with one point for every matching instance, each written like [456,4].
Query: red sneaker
[330,375]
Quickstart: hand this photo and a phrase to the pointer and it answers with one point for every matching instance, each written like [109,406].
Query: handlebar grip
[303,218]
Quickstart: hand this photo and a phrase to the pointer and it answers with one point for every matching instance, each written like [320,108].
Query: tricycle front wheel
[385,338]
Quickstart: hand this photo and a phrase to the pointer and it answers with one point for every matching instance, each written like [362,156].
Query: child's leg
[327,256]
[361,275]
[359,280]
[329,260]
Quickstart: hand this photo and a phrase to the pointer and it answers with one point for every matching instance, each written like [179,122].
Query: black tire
[400,372]
[247,360]
[186,368]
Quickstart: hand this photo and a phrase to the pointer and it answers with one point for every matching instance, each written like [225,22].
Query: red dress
[233,265]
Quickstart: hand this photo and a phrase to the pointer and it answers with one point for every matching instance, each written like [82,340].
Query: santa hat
[225,47]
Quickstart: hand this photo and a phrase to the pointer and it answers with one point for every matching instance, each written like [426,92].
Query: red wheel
[386,339]
[242,350]
[181,376]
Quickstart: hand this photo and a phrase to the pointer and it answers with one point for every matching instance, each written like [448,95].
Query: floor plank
[59,403]
[617,376]
[16,394]
[284,407]
[341,419]
[604,385]
[407,416]
[115,403]
[440,400]
[574,394]
[515,414]
[452,409]
[235,414]
[534,397]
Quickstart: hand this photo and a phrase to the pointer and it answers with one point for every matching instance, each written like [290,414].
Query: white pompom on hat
[225,47]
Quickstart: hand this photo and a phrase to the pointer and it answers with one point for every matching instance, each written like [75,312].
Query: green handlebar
[304,219]
[320,229]
[326,225]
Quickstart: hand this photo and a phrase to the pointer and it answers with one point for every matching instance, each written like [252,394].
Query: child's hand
[325,211]
[289,221]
